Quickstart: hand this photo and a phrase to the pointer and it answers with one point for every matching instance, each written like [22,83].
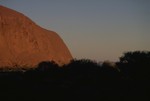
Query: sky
[92,29]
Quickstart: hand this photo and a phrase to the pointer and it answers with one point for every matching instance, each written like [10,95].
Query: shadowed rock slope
[23,43]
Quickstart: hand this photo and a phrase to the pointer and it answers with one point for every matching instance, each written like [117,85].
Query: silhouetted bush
[81,79]
[46,66]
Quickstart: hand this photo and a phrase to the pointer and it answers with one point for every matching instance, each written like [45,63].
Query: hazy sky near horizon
[95,29]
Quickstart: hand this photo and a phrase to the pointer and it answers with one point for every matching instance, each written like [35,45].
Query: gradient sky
[95,29]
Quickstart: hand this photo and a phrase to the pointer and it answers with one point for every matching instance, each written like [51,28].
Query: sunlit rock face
[23,43]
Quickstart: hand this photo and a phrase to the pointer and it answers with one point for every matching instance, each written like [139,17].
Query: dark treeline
[84,79]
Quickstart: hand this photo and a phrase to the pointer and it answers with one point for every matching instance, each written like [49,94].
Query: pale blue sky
[95,29]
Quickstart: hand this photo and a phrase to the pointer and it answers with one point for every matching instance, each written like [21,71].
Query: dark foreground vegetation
[125,80]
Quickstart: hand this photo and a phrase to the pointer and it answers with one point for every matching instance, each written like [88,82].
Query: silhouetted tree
[136,64]
[136,58]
